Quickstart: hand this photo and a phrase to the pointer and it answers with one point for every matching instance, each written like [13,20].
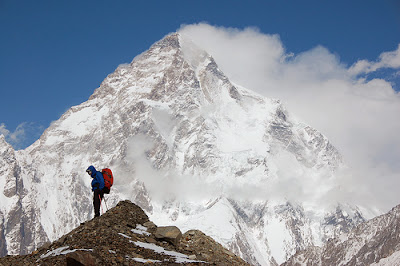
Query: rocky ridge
[124,235]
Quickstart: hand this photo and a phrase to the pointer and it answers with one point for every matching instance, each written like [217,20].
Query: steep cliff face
[18,228]
[189,147]
[375,242]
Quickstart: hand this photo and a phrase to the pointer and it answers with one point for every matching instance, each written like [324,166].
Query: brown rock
[79,257]
[171,234]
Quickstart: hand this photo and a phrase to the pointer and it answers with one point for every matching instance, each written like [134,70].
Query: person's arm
[95,184]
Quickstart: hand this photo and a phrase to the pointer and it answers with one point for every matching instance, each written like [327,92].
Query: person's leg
[96,202]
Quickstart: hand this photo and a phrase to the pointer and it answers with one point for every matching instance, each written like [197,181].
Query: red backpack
[108,180]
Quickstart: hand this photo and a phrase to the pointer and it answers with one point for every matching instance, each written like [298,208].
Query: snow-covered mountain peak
[375,242]
[188,145]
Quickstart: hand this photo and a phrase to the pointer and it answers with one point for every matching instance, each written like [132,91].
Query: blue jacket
[98,180]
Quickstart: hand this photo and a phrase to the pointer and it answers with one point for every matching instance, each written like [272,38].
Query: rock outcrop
[124,235]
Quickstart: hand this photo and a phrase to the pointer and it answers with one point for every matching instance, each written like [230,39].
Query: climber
[97,188]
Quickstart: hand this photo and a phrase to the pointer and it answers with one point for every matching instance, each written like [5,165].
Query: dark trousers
[97,197]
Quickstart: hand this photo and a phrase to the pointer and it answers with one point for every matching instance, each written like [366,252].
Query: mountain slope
[189,147]
[124,235]
[375,242]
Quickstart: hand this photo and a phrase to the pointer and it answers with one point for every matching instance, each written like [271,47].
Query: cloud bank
[358,115]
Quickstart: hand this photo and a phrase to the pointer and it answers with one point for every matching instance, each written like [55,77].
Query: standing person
[97,188]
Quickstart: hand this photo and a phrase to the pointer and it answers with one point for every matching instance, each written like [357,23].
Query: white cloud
[22,136]
[360,117]
[3,130]
[386,60]
[163,184]
[13,137]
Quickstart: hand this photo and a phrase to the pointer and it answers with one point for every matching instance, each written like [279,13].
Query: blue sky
[54,54]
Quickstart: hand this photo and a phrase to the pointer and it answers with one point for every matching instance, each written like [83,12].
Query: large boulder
[171,234]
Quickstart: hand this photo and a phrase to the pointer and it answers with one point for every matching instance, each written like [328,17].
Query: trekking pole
[105,202]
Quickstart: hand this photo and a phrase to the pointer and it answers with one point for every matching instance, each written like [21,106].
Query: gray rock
[149,225]
[171,234]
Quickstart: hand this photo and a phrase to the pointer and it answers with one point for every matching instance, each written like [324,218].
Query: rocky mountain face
[124,235]
[189,147]
[19,231]
[375,242]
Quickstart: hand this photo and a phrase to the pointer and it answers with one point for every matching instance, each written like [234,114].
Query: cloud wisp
[358,115]
[16,137]
[386,60]
[22,136]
